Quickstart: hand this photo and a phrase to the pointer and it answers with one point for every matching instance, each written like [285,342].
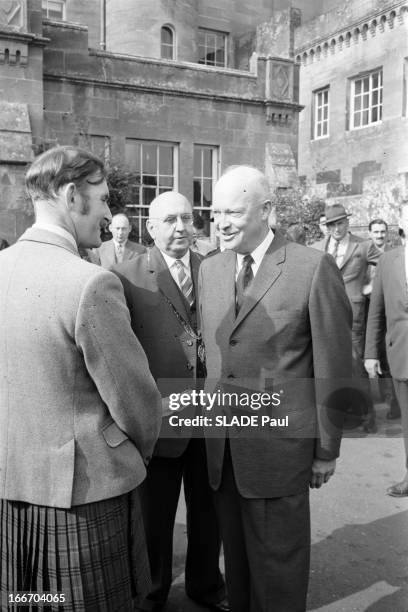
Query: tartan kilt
[95,554]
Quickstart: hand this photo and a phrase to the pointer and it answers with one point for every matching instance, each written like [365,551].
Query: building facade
[353,130]
[175,92]
[172,91]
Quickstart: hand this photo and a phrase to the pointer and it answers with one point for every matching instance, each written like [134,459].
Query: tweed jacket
[292,333]
[79,409]
[107,253]
[388,313]
[153,297]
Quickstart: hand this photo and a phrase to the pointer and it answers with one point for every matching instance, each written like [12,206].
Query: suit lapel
[398,268]
[267,274]
[223,286]
[165,282]
[353,244]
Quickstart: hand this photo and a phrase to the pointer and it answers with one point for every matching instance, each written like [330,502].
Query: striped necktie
[185,282]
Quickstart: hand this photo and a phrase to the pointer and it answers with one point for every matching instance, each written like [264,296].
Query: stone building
[174,91]
[353,131]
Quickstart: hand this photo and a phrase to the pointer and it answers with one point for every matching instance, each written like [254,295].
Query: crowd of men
[91,355]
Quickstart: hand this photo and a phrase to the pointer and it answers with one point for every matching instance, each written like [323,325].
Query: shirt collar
[56,229]
[119,244]
[343,241]
[258,253]
[170,260]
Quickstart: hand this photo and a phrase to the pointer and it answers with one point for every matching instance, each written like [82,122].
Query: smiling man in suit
[388,316]
[119,248]
[271,312]
[161,293]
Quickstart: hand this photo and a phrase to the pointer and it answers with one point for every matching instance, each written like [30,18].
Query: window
[321,113]
[101,146]
[212,48]
[167,43]
[54,9]
[366,100]
[154,169]
[205,176]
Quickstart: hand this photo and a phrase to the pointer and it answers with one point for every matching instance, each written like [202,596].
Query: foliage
[122,188]
[293,206]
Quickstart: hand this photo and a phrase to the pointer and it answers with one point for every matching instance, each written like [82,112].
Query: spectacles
[171,220]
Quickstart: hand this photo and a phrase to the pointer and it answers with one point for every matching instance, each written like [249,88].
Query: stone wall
[107,94]
[368,165]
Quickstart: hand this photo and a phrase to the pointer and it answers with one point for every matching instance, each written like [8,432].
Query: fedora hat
[335,212]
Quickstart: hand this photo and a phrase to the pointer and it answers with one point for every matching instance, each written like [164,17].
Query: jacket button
[233,342]
[190,366]
[189,343]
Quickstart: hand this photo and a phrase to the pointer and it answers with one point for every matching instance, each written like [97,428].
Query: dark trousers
[401,391]
[266,547]
[159,494]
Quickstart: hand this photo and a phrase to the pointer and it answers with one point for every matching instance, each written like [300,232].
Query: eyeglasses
[171,220]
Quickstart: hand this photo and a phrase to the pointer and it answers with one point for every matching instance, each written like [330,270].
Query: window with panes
[366,100]
[154,169]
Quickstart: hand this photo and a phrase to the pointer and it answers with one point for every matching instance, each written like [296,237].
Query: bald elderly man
[271,313]
[161,293]
[119,248]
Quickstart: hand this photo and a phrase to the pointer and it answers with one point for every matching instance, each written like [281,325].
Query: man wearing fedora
[353,255]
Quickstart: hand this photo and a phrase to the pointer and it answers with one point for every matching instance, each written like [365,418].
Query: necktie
[185,282]
[119,253]
[335,250]
[244,278]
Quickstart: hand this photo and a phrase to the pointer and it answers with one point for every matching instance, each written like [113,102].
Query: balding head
[120,228]
[170,223]
[241,207]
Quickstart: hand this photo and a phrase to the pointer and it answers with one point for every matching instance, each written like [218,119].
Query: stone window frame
[166,46]
[367,102]
[207,47]
[206,165]
[149,182]
[320,122]
[45,9]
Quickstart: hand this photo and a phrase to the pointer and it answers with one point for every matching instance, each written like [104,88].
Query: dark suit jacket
[359,255]
[171,351]
[107,254]
[388,313]
[293,325]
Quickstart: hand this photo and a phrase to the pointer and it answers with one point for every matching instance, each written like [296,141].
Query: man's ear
[266,209]
[69,193]
[150,228]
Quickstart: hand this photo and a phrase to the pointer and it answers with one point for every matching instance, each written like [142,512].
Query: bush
[294,207]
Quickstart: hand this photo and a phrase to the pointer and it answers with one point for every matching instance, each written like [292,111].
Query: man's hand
[321,472]
[373,367]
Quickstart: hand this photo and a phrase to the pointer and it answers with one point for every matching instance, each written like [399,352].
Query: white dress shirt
[341,250]
[257,255]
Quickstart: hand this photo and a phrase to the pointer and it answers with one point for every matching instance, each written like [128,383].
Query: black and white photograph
[204,305]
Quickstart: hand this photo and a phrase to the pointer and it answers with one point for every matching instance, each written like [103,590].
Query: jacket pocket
[113,435]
